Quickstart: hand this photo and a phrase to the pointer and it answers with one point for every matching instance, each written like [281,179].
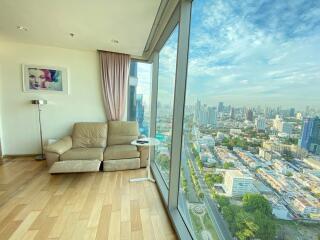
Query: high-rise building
[291,112]
[249,115]
[307,110]
[277,122]
[227,108]
[310,136]
[197,111]
[237,184]
[286,127]
[299,116]
[260,124]
[232,113]
[204,116]
[140,110]
[220,107]
[132,91]
[212,116]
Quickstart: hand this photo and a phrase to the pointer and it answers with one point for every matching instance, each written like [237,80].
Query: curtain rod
[113,52]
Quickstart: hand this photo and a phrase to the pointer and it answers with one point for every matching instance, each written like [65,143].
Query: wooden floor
[36,205]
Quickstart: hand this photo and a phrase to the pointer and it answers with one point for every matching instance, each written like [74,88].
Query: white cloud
[250,49]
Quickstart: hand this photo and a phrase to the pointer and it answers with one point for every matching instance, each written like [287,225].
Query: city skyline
[277,69]
[251,106]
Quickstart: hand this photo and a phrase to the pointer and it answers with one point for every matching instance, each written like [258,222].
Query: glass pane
[166,81]
[139,95]
[250,160]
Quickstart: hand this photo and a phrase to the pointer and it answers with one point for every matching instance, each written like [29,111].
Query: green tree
[229,214]
[287,155]
[290,141]
[164,161]
[199,162]
[256,202]
[289,174]
[217,178]
[228,165]
[267,227]
[246,228]
[211,179]
[201,195]
[222,201]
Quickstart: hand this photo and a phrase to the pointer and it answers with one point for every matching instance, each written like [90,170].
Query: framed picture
[44,79]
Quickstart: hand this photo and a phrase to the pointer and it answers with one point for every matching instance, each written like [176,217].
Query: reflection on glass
[250,158]
[166,81]
[139,95]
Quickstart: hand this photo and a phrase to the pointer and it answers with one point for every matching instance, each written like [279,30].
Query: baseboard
[19,155]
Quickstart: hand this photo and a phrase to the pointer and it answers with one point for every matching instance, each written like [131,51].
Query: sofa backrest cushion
[120,132]
[89,135]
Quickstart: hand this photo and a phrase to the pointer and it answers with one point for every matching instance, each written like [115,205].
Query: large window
[166,81]
[250,158]
[139,95]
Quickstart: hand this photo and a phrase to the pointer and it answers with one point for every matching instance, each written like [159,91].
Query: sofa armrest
[51,158]
[60,146]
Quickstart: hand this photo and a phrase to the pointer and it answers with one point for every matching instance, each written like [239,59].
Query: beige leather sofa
[109,143]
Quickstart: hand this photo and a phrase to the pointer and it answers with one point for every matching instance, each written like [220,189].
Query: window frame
[181,17]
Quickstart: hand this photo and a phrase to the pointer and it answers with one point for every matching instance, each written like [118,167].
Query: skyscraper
[212,116]
[197,111]
[260,124]
[232,113]
[291,112]
[132,91]
[204,116]
[220,107]
[286,127]
[310,136]
[140,110]
[277,122]
[249,115]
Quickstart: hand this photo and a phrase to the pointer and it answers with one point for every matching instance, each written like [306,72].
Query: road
[219,223]
[192,195]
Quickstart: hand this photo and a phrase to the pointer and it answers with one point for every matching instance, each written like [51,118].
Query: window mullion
[179,102]
[154,97]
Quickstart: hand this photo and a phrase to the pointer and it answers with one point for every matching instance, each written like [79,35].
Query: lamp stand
[42,156]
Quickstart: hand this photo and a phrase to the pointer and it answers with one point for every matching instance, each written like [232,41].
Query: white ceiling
[95,23]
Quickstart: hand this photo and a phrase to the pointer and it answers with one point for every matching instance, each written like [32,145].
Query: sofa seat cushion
[121,164]
[115,152]
[83,154]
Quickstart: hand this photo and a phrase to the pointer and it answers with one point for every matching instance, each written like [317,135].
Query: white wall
[0,112]
[20,131]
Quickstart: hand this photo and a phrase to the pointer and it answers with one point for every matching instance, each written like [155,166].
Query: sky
[144,75]
[246,53]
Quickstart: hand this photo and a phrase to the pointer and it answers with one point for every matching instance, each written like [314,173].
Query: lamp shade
[39,101]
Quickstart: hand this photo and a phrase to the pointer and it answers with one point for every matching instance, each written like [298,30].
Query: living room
[164,119]
[50,80]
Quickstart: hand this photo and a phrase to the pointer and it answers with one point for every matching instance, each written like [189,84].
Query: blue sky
[249,53]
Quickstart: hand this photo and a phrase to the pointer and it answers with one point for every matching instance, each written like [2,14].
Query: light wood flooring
[37,205]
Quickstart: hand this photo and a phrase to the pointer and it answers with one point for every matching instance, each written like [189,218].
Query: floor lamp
[40,102]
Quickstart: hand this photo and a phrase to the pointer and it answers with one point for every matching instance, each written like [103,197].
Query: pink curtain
[114,75]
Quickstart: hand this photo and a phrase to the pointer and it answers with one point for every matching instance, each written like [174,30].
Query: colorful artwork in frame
[44,79]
